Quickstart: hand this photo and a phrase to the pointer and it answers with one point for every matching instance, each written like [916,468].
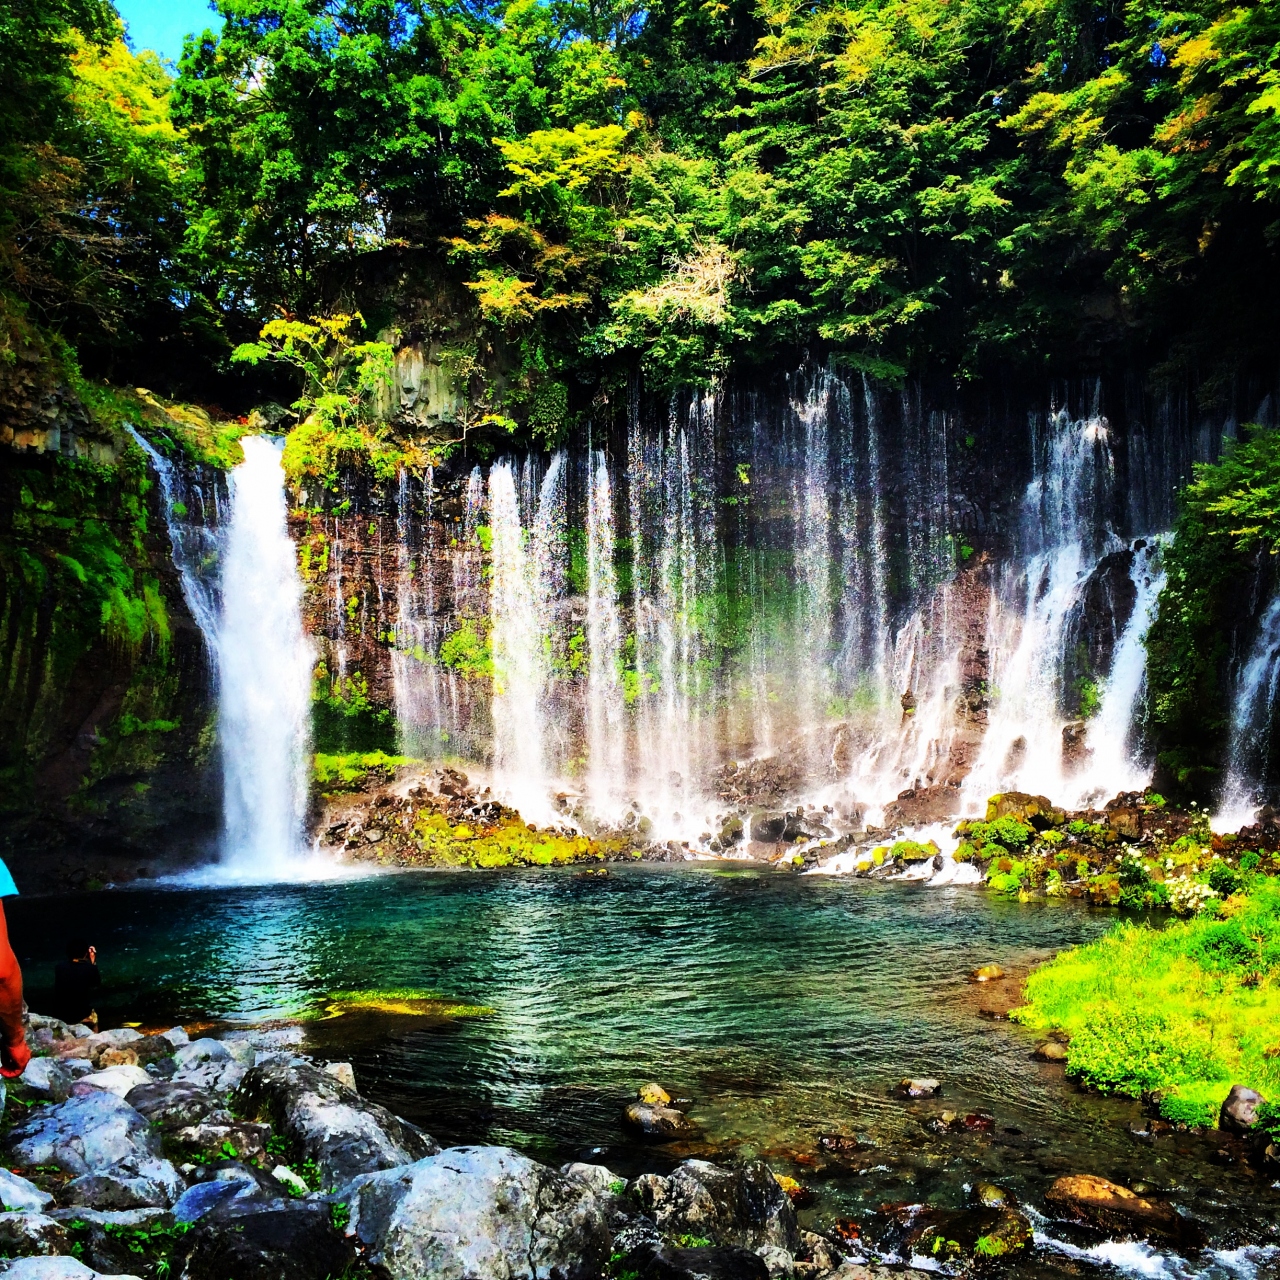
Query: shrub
[1133,1052]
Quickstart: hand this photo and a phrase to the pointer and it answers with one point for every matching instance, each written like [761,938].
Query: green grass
[1187,1010]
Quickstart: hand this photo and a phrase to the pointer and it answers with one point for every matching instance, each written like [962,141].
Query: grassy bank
[1183,1011]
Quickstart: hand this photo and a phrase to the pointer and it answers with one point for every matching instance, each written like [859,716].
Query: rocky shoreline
[241,1157]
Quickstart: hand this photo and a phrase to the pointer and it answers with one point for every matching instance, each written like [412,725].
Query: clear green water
[784,1008]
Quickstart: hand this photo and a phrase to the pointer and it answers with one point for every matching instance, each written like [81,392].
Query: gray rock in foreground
[345,1134]
[52,1269]
[741,1205]
[478,1213]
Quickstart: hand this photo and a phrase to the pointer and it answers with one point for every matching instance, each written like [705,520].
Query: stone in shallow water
[659,1124]
[654,1094]
[1051,1051]
[986,973]
[486,1213]
[1114,1208]
[919,1087]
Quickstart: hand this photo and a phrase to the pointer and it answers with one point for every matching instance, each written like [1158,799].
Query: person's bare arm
[14,1054]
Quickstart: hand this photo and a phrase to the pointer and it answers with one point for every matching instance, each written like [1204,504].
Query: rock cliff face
[107,768]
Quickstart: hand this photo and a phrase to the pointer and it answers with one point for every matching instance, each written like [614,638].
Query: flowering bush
[1188,897]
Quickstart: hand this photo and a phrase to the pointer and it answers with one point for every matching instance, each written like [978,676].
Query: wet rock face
[709,1263]
[487,1213]
[342,1132]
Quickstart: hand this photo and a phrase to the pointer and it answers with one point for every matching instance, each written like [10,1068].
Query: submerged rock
[345,1134]
[969,1235]
[986,973]
[486,1213]
[1114,1208]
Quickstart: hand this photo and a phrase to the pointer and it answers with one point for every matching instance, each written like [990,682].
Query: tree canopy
[951,186]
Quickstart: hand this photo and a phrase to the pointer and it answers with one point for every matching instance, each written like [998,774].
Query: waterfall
[1253,704]
[1115,763]
[1063,529]
[241,583]
[264,666]
[606,727]
[194,541]
[525,574]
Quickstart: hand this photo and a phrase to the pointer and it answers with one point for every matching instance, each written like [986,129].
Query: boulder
[1033,811]
[118,1080]
[30,1232]
[120,1191]
[222,1182]
[18,1194]
[151,1049]
[282,1240]
[1114,1208]
[1051,1051]
[743,1204]
[1239,1112]
[173,1105]
[345,1134]
[767,828]
[99,1134]
[483,1213]
[654,1094]
[209,1064]
[53,1077]
[723,1262]
[53,1269]
[85,1134]
[247,1140]
[176,1036]
[659,1124]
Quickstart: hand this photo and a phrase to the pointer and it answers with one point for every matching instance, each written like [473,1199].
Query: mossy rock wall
[106,719]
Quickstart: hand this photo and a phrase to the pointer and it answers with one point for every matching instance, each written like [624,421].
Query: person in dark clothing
[75,983]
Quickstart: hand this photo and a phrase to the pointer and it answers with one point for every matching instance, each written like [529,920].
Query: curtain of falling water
[606,727]
[264,661]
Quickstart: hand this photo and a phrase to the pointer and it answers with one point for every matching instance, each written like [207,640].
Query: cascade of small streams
[240,581]
[753,577]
